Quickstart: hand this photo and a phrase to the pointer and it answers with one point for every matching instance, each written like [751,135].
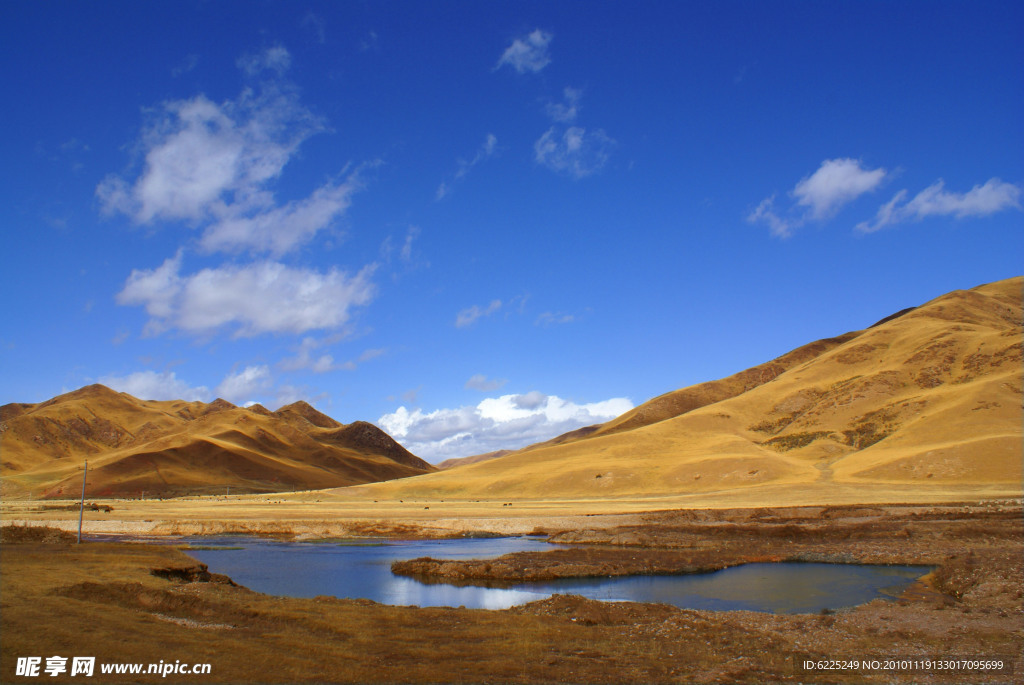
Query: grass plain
[142,603]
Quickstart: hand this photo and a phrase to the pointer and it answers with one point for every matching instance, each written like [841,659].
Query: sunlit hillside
[929,397]
[147,448]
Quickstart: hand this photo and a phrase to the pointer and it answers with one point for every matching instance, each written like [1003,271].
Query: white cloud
[241,386]
[190,62]
[550,318]
[506,422]
[315,25]
[528,53]
[565,112]
[150,385]
[468,316]
[279,229]
[276,59]
[780,228]
[211,165]
[575,151]
[306,358]
[265,297]
[406,253]
[487,149]
[994,196]
[482,383]
[836,183]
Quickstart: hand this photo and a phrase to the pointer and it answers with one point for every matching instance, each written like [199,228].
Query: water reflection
[364,571]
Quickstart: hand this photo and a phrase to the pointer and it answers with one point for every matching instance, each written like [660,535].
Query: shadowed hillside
[137,447]
[929,397]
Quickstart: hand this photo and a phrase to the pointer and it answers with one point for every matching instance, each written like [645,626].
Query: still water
[362,569]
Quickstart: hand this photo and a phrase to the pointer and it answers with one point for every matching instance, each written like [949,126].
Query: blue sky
[482,224]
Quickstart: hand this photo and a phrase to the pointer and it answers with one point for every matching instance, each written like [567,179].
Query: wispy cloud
[552,318]
[307,358]
[190,62]
[486,150]
[567,110]
[314,23]
[506,422]
[152,385]
[575,151]
[467,317]
[212,165]
[264,297]
[819,196]
[981,200]
[276,59]
[527,53]
[484,384]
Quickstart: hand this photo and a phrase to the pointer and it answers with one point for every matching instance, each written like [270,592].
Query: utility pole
[81,511]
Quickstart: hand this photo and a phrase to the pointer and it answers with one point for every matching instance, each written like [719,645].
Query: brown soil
[143,603]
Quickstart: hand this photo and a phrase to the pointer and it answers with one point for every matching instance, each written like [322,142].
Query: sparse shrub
[793,441]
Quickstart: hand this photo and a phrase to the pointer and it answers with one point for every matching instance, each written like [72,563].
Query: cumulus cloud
[211,165]
[240,386]
[819,196]
[575,150]
[265,297]
[468,316]
[981,200]
[835,183]
[482,383]
[527,53]
[150,385]
[506,422]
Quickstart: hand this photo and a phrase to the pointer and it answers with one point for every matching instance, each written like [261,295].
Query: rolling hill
[166,448]
[929,397]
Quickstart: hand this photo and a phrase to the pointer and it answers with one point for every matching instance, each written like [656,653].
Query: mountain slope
[930,397]
[164,448]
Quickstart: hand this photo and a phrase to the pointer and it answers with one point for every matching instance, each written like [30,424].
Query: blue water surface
[362,569]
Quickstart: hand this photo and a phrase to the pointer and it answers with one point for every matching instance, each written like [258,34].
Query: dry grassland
[142,603]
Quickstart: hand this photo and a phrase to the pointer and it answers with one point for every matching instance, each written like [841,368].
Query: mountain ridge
[910,401]
[175,447]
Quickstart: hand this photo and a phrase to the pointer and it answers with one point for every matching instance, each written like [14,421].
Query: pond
[362,569]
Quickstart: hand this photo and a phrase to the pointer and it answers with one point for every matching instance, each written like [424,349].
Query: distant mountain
[167,448]
[929,397]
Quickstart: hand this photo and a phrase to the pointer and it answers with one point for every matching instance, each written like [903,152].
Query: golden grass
[140,448]
[935,391]
[104,600]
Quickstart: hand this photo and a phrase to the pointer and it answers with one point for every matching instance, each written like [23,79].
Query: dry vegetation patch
[142,603]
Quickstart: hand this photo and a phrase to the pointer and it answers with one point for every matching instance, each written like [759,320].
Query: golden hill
[166,448]
[928,397]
